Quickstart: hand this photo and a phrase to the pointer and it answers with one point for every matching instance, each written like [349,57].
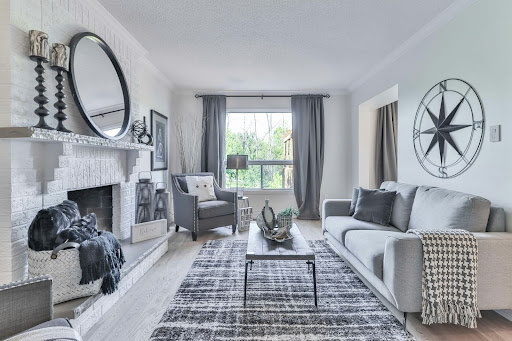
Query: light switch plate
[495,132]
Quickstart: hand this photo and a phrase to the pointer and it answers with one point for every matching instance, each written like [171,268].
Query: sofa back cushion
[438,209]
[402,206]
[496,221]
[374,206]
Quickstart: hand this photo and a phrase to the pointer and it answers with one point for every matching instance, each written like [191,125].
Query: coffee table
[260,248]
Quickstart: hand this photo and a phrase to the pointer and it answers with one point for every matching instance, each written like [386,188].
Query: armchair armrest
[334,207]
[225,195]
[25,304]
[185,207]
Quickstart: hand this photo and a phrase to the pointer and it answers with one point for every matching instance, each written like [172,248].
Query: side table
[244,214]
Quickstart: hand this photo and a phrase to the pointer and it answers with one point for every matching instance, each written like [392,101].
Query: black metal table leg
[314,283]
[245,282]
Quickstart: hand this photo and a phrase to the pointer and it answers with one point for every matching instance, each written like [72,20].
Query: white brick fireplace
[44,166]
[38,169]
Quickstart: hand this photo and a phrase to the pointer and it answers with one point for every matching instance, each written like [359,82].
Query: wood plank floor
[135,315]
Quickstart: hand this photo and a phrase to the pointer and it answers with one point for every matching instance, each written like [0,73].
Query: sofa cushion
[58,322]
[368,247]
[437,208]
[338,226]
[215,208]
[374,205]
[496,221]
[353,203]
[402,206]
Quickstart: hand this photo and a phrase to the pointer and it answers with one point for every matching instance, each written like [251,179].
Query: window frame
[262,163]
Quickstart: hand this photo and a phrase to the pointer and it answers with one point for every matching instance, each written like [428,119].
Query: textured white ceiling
[271,44]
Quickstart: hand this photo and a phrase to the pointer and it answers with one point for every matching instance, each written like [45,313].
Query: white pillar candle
[39,45]
[60,57]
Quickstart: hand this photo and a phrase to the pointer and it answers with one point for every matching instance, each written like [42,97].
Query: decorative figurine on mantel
[139,131]
[60,63]
[39,52]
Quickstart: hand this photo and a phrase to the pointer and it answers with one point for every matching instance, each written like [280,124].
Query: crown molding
[434,25]
[149,66]
[112,22]
[188,92]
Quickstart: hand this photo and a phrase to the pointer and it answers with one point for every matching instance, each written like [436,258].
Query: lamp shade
[237,161]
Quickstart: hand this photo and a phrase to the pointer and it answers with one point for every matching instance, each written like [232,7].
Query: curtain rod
[262,96]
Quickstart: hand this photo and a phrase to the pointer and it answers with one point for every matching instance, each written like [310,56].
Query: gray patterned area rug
[280,304]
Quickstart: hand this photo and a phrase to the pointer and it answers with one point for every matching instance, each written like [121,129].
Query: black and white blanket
[449,285]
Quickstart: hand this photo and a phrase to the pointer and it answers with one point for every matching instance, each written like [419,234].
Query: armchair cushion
[201,186]
[25,304]
[183,183]
[215,208]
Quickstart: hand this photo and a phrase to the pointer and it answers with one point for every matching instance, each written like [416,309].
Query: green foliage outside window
[262,138]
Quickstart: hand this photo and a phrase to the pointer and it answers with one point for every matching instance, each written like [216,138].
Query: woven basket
[284,222]
[65,271]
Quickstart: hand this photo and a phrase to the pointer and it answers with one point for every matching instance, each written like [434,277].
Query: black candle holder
[60,105]
[41,99]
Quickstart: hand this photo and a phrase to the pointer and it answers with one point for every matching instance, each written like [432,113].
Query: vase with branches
[189,130]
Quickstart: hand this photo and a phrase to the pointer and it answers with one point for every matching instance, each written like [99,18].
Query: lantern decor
[144,190]
[162,201]
[39,52]
[60,63]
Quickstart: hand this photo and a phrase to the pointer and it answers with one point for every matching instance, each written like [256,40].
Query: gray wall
[475,47]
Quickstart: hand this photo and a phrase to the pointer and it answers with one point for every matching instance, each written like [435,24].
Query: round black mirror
[98,86]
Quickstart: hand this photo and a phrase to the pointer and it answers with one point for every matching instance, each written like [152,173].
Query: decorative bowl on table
[272,228]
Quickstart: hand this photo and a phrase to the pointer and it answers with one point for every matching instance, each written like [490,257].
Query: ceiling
[271,44]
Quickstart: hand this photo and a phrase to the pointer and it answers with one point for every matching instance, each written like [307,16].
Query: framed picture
[160,133]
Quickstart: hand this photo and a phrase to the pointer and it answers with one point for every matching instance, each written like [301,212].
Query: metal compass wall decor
[449,128]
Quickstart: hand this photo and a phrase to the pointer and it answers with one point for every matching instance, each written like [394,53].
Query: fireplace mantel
[43,135]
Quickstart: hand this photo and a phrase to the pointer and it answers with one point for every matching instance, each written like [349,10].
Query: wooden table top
[261,248]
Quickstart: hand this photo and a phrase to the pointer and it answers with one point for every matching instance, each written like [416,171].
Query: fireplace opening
[96,200]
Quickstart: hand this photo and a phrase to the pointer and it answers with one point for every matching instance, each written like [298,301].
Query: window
[267,139]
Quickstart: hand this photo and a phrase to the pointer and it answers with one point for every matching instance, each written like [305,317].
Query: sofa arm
[403,264]
[25,304]
[334,207]
[402,270]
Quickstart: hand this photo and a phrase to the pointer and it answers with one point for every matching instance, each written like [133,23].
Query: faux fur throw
[102,257]
[49,222]
[79,231]
[449,284]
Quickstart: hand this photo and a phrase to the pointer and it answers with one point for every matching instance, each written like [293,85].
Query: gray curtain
[386,152]
[214,138]
[308,153]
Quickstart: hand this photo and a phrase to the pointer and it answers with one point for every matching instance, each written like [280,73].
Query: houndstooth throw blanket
[450,265]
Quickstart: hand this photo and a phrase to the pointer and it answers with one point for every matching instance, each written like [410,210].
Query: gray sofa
[27,305]
[197,216]
[389,261]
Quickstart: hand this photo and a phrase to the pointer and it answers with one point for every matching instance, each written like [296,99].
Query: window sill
[267,191]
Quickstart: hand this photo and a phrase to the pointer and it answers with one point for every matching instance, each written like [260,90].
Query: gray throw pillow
[353,203]
[374,206]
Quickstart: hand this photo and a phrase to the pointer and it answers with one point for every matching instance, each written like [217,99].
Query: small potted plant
[284,218]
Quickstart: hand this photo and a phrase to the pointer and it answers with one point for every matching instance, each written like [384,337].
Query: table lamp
[237,162]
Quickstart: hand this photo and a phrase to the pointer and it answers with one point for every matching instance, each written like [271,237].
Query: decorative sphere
[138,128]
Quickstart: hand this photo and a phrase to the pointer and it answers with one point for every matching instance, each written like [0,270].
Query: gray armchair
[197,216]
[27,305]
